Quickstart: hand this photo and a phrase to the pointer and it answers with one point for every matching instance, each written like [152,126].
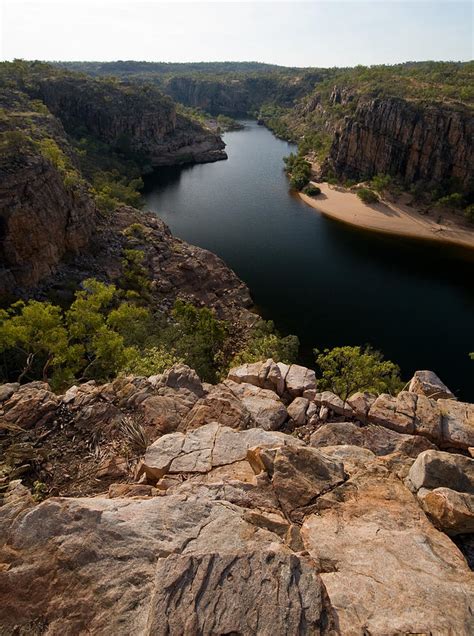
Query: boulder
[180,376]
[265,407]
[386,568]
[334,403]
[206,448]
[428,384]
[33,404]
[219,405]
[449,510]
[299,379]
[298,474]
[297,410]
[408,413]
[457,424]
[360,403]
[434,469]
[377,439]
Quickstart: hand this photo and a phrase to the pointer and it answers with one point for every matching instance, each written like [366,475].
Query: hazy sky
[327,33]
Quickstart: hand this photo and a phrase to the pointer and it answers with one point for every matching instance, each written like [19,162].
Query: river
[325,282]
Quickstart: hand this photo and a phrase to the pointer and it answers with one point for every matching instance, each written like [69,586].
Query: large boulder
[408,413]
[449,510]
[265,407]
[434,469]
[386,568]
[457,424]
[114,566]
[219,405]
[31,405]
[377,439]
[206,448]
[293,380]
[427,383]
[448,423]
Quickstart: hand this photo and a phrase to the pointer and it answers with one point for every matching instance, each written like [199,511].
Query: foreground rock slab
[387,570]
[165,565]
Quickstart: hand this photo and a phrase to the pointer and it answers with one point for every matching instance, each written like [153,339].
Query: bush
[454,201]
[299,171]
[381,182]
[311,190]
[367,196]
[265,342]
[345,370]
[469,212]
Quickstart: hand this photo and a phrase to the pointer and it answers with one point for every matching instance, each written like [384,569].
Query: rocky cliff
[255,506]
[41,220]
[139,117]
[412,141]
[48,210]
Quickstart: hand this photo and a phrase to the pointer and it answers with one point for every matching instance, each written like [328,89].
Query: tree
[35,336]
[345,370]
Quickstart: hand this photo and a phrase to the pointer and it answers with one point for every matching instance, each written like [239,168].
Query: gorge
[325,282]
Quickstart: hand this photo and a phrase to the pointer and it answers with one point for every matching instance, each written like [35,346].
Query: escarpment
[140,118]
[427,142]
[42,220]
[258,505]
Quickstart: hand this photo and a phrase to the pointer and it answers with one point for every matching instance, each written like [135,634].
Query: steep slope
[48,210]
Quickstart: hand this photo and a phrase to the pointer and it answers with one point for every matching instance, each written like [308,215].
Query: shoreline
[393,218]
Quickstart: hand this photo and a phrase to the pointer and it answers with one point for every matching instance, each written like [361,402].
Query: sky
[291,33]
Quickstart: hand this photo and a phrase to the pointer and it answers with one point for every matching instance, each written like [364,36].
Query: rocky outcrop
[41,220]
[187,504]
[432,143]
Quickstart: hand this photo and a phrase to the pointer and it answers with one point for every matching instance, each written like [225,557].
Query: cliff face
[234,97]
[393,136]
[41,220]
[138,117]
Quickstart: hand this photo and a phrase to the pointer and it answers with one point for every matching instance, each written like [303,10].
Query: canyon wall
[413,141]
[138,117]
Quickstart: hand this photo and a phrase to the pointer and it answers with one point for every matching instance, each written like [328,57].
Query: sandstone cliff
[255,506]
[140,117]
[412,141]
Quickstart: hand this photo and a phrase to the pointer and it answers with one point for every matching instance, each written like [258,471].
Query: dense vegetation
[345,370]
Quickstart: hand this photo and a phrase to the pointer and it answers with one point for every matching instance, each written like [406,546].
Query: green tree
[367,196]
[345,370]
[196,336]
[35,336]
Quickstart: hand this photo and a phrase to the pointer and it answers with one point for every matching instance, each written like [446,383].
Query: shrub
[367,196]
[265,342]
[469,212]
[454,201]
[311,190]
[345,370]
[381,182]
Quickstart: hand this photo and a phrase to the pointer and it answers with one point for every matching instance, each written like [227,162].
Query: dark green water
[328,283]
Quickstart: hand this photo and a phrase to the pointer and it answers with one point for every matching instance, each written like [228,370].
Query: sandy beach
[386,217]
